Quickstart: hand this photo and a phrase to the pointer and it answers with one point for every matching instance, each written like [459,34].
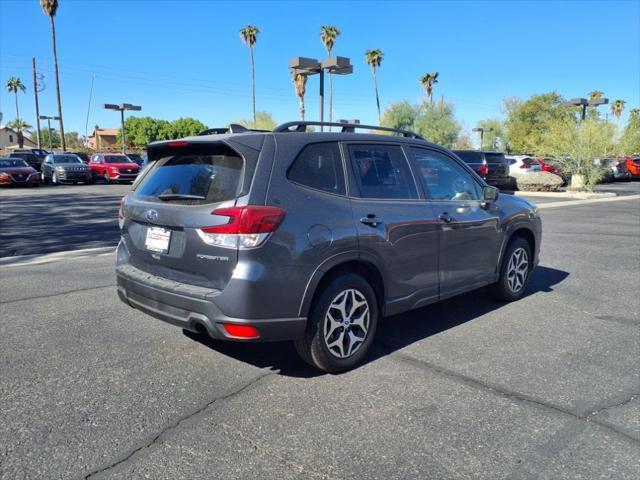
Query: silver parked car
[615,169]
[313,237]
[64,168]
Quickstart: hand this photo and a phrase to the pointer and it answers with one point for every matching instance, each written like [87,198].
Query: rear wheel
[514,271]
[341,326]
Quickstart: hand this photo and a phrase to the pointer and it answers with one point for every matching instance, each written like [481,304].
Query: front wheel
[514,271]
[341,326]
[106,178]
[54,178]
[43,178]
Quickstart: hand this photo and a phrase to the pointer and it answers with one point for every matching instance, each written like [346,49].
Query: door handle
[371,220]
[445,217]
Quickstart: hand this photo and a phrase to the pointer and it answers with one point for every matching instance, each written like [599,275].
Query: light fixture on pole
[48,119]
[121,108]
[311,66]
[482,130]
[584,103]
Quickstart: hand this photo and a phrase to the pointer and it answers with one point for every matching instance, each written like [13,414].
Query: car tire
[329,342]
[106,178]
[515,271]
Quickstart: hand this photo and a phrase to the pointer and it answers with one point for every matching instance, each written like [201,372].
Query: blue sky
[185,58]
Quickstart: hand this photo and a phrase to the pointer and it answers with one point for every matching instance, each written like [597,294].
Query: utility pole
[35,94]
[121,108]
[86,123]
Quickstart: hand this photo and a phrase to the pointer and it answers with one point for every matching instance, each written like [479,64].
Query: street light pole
[121,108]
[48,119]
[584,103]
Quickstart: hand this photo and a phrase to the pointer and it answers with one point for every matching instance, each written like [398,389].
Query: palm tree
[300,83]
[328,35]
[428,81]
[50,8]
[634,114]
[374,58]
[249,35]
[595,95]
[617,108]
[14,84]
[19,126]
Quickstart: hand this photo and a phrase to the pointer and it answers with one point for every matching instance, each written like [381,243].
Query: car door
[469,228]
[397,229]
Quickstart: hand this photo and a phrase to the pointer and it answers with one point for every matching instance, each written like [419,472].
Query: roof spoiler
[301,126]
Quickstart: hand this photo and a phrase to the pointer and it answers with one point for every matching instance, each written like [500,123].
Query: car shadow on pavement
[394,333]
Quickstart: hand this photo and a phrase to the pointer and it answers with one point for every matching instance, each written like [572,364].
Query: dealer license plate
[158,239]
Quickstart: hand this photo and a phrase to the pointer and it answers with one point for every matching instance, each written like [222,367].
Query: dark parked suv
[493,167]
[313,237]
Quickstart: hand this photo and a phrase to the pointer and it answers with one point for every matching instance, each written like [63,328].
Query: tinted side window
[319,166]
[382,171]
[443,178]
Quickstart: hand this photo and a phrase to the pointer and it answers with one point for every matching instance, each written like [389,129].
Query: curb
[574,195]
[587,201]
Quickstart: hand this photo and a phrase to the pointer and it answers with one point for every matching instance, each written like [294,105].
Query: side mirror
[490,194]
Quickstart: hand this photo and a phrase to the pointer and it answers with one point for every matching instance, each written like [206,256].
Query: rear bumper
[194,308]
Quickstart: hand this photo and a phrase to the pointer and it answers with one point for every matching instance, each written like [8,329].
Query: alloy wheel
[346,323]
[517,270]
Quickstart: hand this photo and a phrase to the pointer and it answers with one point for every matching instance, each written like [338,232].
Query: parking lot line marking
[27,260]
[587,202]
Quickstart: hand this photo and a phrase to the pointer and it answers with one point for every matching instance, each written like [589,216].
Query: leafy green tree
[50,8]
[428,81]
[374,59]
[576,144]
[328,36]
[19,126]
[15,85]
[73,140]
[630,140]
[264,121]
[493,135]
[401,115]
[55,138]
[463,142]
[436,123]
[186,127]
[249,35]
[528,122]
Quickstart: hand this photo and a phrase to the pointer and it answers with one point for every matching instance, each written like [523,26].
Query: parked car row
[23,168]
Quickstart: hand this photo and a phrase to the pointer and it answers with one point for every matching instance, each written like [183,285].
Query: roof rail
[232,128]
[301,126]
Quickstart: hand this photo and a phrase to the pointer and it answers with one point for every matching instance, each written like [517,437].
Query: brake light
[247,227]
[241,331]
[483,170]
[121,214]
[179,143]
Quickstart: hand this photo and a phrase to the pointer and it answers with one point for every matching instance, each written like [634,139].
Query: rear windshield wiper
[180,196]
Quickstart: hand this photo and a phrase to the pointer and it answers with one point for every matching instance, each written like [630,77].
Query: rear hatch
[473,159]
[174,200]
[497,165]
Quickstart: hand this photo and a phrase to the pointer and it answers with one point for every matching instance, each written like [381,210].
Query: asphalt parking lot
[547,387]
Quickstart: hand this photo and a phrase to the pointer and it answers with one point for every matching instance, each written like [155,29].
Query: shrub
[539,182]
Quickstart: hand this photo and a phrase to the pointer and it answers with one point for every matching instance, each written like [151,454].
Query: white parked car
[522,165]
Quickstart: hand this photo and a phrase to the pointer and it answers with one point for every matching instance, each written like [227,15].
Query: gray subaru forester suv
[314,236]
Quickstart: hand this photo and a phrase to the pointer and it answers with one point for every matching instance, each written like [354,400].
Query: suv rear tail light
[247,227]
[483,170]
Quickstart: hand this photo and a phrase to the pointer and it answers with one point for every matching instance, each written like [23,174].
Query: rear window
[495,158]
[194,177]
[25,156]
[469,156]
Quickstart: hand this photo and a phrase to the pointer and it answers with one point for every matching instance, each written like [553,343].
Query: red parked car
[551,166]
[113,167]
[16,172]
[633,166]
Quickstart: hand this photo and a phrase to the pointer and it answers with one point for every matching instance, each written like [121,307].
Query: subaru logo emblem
[151,215]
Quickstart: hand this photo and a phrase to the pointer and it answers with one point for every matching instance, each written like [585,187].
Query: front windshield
[66,159]
[12,163]
[116,159]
